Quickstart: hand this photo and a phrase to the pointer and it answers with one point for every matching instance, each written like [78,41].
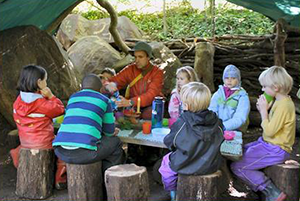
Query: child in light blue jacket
[231,101]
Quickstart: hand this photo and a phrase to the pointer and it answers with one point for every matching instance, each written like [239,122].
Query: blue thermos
[157,112]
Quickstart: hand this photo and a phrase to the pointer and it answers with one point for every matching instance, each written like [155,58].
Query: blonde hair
[190,72]
[196,95]
[277,76]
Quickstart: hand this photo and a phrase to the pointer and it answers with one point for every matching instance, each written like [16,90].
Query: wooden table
[230,149]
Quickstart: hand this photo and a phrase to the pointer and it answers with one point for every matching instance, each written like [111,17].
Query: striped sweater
[88,116]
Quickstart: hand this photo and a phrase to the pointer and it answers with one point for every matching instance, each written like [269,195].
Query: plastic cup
[268,97]
[147,127]
[165,122]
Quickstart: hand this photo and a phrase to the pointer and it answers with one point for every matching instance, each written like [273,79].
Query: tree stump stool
[127,182]
[286,178]
[85,182]
[35,174]
[13,139]
[198,187]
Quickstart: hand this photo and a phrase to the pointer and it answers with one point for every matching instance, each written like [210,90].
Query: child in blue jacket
[231,102]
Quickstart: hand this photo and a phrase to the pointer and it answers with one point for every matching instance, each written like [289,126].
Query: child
[278,137]
[106,74]
[231,101]
[33,112]
[184,75]
[87,134]
[194,140]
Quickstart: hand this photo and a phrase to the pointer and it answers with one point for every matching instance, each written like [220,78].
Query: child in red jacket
[33,112]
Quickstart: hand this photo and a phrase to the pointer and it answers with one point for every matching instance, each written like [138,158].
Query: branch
[113,25]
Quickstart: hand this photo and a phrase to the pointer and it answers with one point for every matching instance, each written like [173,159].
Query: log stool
[85,182]
[35,174]
[198,187]
[127,182]
[12,139]
[286,178]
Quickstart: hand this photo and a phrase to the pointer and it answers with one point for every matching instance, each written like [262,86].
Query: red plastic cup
[147,127]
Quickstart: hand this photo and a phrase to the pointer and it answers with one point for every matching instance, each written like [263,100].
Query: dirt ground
[238,190]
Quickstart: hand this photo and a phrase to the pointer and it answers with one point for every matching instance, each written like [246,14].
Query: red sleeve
[51,107]
[154,89]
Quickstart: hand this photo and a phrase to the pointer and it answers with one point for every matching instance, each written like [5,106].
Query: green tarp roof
[42,13]
[274,9]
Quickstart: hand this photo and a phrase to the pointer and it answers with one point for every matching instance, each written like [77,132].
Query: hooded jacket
[195,141]
[33,115]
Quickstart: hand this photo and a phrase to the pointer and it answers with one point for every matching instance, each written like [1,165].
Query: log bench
[198,187]
[127,182]
[35,174]
[85,182]
[286,178]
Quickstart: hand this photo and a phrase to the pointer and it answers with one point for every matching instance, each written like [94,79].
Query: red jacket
[147,88]
[34,121]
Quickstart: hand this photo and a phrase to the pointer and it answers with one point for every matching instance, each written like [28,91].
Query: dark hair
[110,71]
[91,81]
[29,77]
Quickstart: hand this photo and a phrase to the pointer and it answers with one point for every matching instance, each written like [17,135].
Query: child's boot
[61,175]
[173,195]
[273,193]
[14,153]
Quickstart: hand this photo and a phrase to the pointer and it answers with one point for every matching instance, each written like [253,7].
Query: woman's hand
[46,92]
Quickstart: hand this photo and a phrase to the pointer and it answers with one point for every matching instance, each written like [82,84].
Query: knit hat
[142,46]
[232,71]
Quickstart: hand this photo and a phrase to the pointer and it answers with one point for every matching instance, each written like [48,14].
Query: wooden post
[198,187]
[13,139]
[281,35]
[204,63]
[286,178]
[127,182]
[35,175]
[85,182]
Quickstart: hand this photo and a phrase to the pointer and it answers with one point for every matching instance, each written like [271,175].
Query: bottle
[157,112]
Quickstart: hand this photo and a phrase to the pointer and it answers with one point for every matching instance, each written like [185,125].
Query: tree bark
[127,182]
[35,176]
[286,178]
[85,182]
[113,25]
[198,187]
[279,52]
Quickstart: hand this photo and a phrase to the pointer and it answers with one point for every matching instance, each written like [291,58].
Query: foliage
[184,21]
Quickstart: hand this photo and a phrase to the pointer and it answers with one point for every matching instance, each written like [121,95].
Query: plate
[160,131]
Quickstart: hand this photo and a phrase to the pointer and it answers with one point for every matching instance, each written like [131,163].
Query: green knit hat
[142,46]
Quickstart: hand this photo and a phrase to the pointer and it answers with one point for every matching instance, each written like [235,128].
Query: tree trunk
[127,182]
[279,52]
[204,63]
[85,182]
[198,188]
[113,25]
[35,176]
[286,178]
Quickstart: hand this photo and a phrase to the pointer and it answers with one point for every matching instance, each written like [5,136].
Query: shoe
[272,193]
[14,153]
[173,195]
[61,175]
[61,186]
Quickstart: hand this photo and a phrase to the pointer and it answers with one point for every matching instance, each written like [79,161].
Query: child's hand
[117,130]
[262,103]
[111,87]
[46,92]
